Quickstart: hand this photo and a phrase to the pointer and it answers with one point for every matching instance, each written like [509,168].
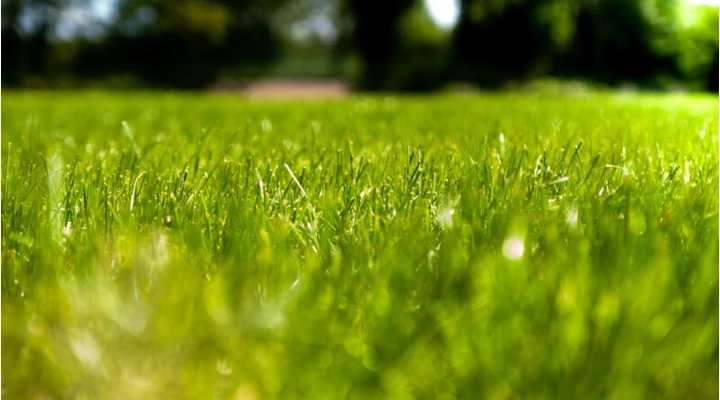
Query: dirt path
[288,88]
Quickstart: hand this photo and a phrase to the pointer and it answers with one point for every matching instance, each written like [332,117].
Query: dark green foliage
[497,41]
[379,45]
[167,44]
[375,36]
[616,40]
[698,50]
[610,41]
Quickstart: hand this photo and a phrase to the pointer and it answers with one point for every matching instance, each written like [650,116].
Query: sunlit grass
[506,246]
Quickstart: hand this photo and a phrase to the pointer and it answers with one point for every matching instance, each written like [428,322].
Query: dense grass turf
[508,246]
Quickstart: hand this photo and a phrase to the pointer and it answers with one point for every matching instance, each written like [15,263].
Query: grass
[495,247]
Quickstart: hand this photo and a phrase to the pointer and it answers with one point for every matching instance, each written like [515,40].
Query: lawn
[498,246]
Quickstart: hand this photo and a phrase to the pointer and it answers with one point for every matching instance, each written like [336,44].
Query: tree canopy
[378,44]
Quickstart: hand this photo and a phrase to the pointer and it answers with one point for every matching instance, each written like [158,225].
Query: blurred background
[368,45]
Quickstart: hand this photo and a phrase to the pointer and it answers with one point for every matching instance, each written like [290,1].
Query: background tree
[420,61]
[698,49]
[500,40]
[186,44]
[392,44]
[374,35]
[309,30]
[623,40]
[27,26]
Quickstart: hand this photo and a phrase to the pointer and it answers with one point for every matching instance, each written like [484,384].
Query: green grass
[497,247]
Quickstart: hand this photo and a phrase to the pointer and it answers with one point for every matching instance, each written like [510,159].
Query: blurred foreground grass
[505,246]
